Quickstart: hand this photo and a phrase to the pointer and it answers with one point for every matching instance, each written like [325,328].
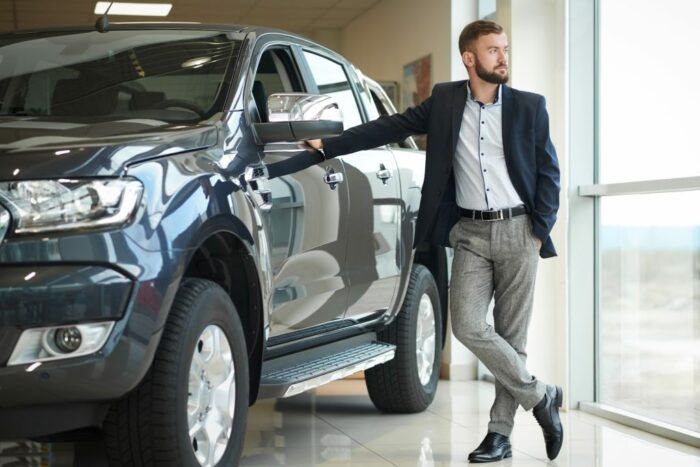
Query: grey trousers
[497,259]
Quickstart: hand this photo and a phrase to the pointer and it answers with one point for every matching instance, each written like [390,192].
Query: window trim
[584,223]
[257,54]
[641,187]
[349,75]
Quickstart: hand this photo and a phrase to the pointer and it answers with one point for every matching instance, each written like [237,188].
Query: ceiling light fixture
[134,9]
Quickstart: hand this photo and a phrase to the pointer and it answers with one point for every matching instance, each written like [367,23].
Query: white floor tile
[337,425]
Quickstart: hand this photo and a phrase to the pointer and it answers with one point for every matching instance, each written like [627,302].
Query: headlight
[39,206]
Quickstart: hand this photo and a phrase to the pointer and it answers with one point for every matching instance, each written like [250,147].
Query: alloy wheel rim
[425,339]
[211,397]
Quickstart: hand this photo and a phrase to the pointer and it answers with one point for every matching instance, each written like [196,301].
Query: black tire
[149,427]
[395,386]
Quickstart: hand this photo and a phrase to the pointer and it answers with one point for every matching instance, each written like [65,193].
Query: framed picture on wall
[416,86]
[391,88]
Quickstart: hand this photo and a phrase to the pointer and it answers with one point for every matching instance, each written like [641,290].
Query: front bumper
[37,296]
[65,294]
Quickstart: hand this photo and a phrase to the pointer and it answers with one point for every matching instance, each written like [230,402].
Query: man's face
[488,58]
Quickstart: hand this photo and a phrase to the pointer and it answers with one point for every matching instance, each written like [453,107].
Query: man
[497,210]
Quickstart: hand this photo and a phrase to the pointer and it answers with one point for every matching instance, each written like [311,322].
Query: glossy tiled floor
[337,425]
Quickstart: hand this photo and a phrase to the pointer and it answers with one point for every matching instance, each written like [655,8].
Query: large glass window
[650,307]
[648,99]
[649,244]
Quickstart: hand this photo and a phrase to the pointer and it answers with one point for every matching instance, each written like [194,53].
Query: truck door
[306,224]
[372,262]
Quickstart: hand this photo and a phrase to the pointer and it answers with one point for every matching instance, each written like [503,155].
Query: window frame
[349,75]
[293,69]
[583,250]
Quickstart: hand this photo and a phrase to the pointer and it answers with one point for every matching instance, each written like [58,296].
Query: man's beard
[490,76]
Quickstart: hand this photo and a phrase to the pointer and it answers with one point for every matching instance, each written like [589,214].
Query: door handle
[255,176]
[332,178]
[383,174]
[255,172]
[263,199]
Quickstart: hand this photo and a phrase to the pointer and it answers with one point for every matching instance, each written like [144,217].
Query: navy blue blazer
[529,154]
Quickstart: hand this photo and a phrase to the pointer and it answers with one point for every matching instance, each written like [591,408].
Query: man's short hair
[474,31]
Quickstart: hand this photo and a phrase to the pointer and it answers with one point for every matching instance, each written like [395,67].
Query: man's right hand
[315,143]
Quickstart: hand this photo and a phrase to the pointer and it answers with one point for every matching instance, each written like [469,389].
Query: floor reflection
[337,425]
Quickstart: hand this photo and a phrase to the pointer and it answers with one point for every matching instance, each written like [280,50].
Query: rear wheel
[408,383]
[191,408]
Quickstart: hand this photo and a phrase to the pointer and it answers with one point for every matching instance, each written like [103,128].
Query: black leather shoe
[493,448]
[547,415]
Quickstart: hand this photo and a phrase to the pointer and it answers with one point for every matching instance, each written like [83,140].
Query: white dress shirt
[481,175]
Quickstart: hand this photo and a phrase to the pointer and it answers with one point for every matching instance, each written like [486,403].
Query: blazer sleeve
[548,185]
[384,130]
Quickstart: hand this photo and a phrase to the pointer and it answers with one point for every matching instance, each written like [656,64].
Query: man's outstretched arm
[384,130]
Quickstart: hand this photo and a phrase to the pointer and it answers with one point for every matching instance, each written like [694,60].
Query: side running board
[292,374]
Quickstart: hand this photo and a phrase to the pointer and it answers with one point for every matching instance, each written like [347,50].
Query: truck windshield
[171,75]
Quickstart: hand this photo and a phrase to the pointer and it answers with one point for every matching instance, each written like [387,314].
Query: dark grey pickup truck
[155,280]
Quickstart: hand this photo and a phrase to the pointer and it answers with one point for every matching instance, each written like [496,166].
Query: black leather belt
[493,215]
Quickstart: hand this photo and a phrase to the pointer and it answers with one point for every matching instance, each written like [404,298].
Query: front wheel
[407,384]
[191,408]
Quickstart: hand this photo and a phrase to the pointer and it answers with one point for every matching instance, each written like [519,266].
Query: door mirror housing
[299,116]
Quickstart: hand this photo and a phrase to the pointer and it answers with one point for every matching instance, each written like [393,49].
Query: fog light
[68,340]
[58,342]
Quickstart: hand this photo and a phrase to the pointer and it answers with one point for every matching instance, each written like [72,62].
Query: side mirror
[298,116]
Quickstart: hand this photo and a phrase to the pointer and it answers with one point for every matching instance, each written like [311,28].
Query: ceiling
[300,16]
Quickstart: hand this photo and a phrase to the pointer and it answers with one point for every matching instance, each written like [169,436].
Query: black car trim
[296,335]
[312,341]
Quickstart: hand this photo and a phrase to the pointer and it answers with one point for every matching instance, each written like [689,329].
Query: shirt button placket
[481,159]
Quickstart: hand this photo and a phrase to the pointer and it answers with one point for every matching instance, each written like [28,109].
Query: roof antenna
[102,23]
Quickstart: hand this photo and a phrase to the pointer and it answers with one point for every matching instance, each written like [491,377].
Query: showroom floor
[337,425]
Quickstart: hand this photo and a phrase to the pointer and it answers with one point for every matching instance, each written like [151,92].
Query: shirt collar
[498,94]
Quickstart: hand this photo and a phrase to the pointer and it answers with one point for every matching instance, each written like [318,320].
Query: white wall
[396,32]
[538,38]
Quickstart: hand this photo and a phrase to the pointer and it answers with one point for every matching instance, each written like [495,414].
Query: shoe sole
[559,401]
[505,455]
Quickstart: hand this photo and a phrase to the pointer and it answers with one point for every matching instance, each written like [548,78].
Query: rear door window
[331,79]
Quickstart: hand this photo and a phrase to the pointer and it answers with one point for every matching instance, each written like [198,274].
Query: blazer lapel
[459,101]
[507,113]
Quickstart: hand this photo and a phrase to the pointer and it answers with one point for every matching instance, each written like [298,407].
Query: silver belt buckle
[499,216]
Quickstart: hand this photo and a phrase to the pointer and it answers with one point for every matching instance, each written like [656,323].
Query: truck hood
[32,148]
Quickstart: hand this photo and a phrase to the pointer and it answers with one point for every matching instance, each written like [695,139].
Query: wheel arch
[223,257]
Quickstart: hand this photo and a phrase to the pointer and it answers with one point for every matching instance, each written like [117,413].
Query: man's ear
[468,58]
